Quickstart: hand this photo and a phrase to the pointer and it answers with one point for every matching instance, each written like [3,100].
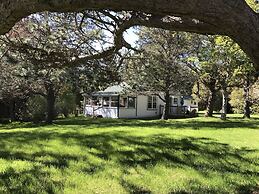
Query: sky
[130,36]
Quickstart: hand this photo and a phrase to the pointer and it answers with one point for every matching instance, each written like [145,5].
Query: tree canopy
[234,18]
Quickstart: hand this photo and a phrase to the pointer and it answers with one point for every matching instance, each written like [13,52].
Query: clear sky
[131,36]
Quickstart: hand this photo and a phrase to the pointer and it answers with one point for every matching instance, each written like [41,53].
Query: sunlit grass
[83,155]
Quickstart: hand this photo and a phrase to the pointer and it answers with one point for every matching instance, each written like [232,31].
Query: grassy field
[83,155]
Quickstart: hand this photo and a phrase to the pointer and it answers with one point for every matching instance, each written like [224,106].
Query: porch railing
[180,110]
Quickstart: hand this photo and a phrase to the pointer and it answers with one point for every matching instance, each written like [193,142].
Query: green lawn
[131,156]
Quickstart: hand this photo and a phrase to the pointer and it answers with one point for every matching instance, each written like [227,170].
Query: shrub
[237,100]
[37,107]
[66,104]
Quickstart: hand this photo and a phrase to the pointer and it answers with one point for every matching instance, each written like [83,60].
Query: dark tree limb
[228,17]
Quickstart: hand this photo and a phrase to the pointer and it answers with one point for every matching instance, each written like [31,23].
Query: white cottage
[115,103]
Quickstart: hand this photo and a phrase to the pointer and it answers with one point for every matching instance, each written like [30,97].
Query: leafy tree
[237,70]
[37,108]
[227,61]
[238,103]
[204,62]
[66,103]
[47,44]
[245,77]
[14,88]
[201,94]
[219,61]
[159,67]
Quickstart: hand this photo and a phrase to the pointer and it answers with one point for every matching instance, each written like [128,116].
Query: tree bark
[211,100]
[225,17]
[166,111]
[224,103]
[12,110]
[51,98]
[247,102]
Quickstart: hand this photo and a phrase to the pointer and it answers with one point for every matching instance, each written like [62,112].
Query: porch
[180,110]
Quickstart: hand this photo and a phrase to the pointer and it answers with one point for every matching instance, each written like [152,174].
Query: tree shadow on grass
[194,124]
[203,155]
[174,124]
[30,181]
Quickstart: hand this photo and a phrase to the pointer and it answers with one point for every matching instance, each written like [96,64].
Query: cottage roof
[115,89]
[110,91]
[187,97]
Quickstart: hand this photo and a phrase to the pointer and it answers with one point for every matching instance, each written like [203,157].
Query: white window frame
[176,100]
[109,101]
[128,102]
[112,101]
[153,102]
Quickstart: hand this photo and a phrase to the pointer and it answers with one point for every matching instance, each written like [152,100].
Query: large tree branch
[229,17]
[179,24]
[118,44]
[213,11]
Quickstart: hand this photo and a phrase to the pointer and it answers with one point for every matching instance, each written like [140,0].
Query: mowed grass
[84,155]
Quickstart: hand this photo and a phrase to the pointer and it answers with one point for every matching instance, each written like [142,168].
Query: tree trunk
[12,110]
[78,103]
[224,103]
[76,111]
[51,98]
[211,99]
[166,111]
[247,103]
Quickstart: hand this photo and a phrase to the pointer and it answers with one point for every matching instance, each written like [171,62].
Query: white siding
[105,112]
[143,111]
[190,105]
[127,113]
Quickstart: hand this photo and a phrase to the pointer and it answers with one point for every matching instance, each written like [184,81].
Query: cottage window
[131,102]
[95,101]
[182,101]
[151,102]
[170,101]
[114,101]
[88,101]
[175,100]
[123,102]
[106,101]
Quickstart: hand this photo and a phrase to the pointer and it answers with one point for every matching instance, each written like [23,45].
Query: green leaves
[160,66]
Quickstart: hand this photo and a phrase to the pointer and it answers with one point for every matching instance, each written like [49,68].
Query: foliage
[221,65]
[66,104]
[200,155]
[201,94]
[236,100]
[159,66]
[37,108]
[51,50]
[252,4]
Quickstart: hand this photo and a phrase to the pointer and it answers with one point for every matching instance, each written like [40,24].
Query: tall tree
[159,68]
[217,61]
[245,77]
[13,86]
[204,62]
[47,43]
